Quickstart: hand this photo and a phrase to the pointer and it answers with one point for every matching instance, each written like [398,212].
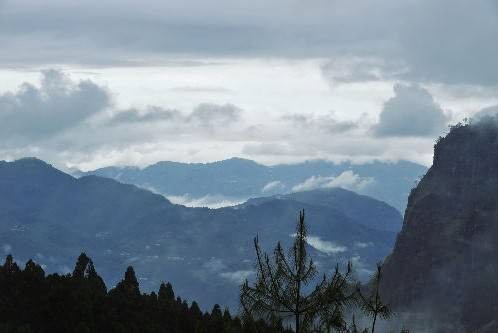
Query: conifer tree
[80,267]
[281,286]
[372,304]
[129,285]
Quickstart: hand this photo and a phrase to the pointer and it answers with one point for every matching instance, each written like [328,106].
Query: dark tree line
[31,301]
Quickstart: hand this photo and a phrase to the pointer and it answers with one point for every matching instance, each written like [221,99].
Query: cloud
[6,248]
[488,112]
[347,180]
[100,133]
[237,277]
[325,246]
[410,40]
[360,69]
[364,272]
[411,112]
[326,123]
[273,186]
[201,89]
[33,113]
[150,114]
[206,115]
[209,114]
[210,201]
[363,245]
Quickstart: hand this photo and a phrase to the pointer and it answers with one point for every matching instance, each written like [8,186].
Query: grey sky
[273,80]
[451,41]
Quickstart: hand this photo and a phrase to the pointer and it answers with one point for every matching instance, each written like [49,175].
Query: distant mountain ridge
[238,179]
[51,217]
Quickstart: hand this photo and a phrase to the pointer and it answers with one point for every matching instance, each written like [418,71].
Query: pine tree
[129,285]
[80,267]
[339,294]
[372,304]
[279,290]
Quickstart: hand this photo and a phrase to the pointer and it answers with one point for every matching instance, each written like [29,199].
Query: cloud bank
[77,123]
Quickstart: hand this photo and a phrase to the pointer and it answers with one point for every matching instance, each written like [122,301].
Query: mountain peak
[32,166]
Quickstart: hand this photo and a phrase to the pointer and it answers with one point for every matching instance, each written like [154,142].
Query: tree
[129,285]
[372,305]
[81,265]
[80,302]
[281,286]
[339,294]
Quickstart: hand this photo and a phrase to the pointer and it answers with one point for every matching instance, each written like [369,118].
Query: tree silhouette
[282,286]
[340,293]
[372,305]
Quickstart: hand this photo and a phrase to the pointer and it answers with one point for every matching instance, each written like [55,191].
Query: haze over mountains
[235,180]
[51,217]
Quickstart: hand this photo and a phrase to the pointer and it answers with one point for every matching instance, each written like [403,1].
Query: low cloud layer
[324,246]
[210,201]
[347,180]
[411,112]
[273,186]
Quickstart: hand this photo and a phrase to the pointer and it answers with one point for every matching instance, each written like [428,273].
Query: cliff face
[445,260]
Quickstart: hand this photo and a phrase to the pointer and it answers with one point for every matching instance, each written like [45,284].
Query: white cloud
[273,186]
[325,246]
[347,180]
[364,272]
[237,277]
[210,201]
[140,128]
[363,245]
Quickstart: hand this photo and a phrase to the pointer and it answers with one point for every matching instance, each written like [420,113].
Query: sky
[87,84]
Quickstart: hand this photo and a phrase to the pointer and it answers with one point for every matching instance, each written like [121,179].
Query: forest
[31,301]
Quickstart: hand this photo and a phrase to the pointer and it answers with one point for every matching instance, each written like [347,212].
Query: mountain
[51,217]
[236,179]
[445,260]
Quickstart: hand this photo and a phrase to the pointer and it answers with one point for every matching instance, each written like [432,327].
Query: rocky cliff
[445,260]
